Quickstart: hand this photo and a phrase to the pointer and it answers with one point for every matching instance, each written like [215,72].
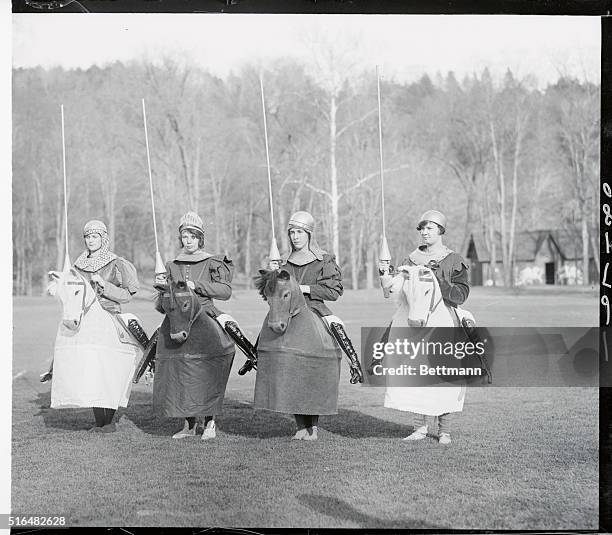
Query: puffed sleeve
[124,282]
[215,281]
[329,282]
[457,290]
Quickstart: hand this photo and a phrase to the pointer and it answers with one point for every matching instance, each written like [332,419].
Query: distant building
[541,257]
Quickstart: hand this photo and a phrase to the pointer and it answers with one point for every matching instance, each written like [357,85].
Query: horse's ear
[284,275]
[54,278]
[52,288]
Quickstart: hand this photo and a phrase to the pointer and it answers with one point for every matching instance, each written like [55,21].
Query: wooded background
[495,155]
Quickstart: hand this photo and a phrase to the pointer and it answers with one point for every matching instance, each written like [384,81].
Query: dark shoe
[46,377]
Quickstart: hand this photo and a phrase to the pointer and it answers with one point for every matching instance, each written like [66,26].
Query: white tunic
[429,400]
[92,367]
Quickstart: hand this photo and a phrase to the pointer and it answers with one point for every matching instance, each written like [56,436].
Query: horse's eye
[428,291]
[76,292]
[185,306]
[286,296]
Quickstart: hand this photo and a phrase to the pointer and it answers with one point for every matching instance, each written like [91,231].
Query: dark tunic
[324,278]
[190,378]
[121,284]
[452,275]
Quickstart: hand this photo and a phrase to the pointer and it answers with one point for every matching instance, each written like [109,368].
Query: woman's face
[190,241]
[299,238]
[430,234]
[93,242]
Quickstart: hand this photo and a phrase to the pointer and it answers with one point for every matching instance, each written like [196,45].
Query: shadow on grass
[139,411]
[344,512]
[238,418]
[241,419]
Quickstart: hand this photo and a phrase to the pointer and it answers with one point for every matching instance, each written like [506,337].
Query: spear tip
[385,254]
[159,264]
[274,252]
[67,263]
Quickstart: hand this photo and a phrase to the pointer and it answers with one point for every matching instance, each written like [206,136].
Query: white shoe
[444,438]
[210,431]
[311,433]
[299,435]
[185,432]
[419,434]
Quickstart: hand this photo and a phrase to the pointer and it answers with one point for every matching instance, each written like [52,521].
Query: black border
[605,390]
[433,7]
[601,8]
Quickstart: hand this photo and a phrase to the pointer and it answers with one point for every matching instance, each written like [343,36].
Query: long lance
[385,254]
[159,263]
[67,262]
[274,253]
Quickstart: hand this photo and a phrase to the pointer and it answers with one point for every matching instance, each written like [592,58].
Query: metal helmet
[302,220]
[435,217]
[94,227]
[191,221]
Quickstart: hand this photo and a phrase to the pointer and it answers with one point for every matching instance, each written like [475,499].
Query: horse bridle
[84,307]
[433,305]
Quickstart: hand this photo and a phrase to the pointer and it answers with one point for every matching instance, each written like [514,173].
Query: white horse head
[75,294]
[420,298]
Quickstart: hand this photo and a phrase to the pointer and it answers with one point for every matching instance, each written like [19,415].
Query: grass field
[521,458]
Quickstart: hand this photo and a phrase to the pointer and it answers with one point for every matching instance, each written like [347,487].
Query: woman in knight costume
[451,271]
[115,281]
[193,385]
[320,280]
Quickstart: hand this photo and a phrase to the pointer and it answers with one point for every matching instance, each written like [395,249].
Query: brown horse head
[181,306]
[283,295]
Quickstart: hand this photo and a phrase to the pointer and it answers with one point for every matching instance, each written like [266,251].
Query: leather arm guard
[341,337]
[138,332]
[244,345]
[469,327]
[148,358]
[234,332]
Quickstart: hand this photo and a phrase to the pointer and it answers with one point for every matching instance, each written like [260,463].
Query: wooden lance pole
[385,254]
[274,253]
[159,263]
[67,262]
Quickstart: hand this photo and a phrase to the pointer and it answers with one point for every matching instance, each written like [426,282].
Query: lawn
[521,458]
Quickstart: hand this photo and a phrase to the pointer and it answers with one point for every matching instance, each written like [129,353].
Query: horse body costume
[298,359]
[420,304]
[194,356]
[95,356]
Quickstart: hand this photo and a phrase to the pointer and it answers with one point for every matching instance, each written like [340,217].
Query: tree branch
[370,176]
[361,119]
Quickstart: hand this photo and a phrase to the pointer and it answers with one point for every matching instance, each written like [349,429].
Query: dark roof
[528,243]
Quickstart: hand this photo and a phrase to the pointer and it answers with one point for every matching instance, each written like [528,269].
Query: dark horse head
[283,294]
[181,306]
